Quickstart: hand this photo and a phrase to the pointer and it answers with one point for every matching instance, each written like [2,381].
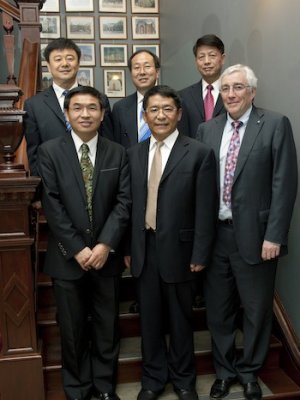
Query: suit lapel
[179,150]
[196,95]
[143,157]
[51,100]
[217,139]
[218,107]
[253,128]
[131,116]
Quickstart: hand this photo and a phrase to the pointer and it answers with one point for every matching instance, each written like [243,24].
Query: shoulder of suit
[190,88]
[123,102]
[110,144]
[38,96]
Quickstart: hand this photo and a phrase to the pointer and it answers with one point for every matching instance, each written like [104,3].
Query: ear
[179,114]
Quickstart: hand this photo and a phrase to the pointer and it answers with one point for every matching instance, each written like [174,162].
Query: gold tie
[87,173]
[153,183]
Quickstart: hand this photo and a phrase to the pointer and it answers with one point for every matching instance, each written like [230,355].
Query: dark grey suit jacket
[193,109]
[65,205]
[186,209]
[265,180]
[125,123]
[44,120]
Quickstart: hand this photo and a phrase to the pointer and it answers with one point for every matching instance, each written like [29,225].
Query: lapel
[131,118]
[216,139]
[143,156]
[196,95]
[73,162]
[100,158]
[253,128]
[51,101]
[179,150]
[219,106]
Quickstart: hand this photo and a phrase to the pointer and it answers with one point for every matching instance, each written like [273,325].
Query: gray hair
[250,76]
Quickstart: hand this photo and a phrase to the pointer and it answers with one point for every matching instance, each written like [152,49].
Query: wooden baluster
[9,46]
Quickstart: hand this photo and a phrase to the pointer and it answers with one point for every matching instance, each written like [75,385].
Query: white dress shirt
[59,93]
[91,143]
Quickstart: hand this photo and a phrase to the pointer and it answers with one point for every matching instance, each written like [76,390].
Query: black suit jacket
[65,206]
[44,120]
[193,109]
[265,180]
[186,208]
[125,123]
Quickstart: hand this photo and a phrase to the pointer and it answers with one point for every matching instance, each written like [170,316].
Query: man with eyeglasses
[172,231]
[257,184]
[202,101]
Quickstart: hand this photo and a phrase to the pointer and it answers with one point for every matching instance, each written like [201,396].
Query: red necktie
[209,104]
[231,160]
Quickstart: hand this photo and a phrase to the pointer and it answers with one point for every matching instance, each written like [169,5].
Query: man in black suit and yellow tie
[202,101]
[173,221]
[44,118]
[257,183]
[86,199]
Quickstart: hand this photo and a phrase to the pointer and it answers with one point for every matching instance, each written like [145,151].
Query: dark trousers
[229,283]
[89,350]
[164,304]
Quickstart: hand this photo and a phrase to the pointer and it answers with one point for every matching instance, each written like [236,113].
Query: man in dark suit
[45,118]
[209,56]
[257,182]
[172,233]
[86,199]
[128,122]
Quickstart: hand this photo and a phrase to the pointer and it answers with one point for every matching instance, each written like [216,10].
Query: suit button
[88,231]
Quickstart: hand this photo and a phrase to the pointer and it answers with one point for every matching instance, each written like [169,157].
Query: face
[143,72]
[162,116]
[63,66]
[209,62]
[237,96]
[85,115]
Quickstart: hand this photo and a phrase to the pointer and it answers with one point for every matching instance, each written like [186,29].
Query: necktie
[209,104]
[144,131]
[230,163]
[67,123]
[87,173]
[153,183]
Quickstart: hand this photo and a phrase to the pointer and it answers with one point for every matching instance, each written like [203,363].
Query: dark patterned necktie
[87,173]
[67,123]
[209,104]
[231,160]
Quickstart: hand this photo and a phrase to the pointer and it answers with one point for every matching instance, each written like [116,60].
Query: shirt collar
[59,90]
[215,84]
[169,141]
[91,143]
[244,118]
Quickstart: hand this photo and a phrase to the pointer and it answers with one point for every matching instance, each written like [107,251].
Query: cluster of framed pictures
[100,33]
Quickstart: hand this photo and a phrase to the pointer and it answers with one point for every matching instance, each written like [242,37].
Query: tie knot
[85,149]
[65,92]
[159,145]
[236,125]
[209,88]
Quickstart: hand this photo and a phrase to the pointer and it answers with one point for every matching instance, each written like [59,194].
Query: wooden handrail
[10,10]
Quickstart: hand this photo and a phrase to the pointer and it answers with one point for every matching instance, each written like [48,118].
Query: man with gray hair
[257,185]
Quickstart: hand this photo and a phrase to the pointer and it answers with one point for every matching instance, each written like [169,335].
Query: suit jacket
[124,115]
[186,208]
[265,181]
[44,120]
[193,109]
[65,205]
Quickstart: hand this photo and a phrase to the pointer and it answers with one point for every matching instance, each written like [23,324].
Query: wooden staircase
[274,373]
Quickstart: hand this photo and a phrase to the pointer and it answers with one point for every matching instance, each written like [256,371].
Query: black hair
[61,44]
[209,40]
[154,56]
[83,90]
[164,91]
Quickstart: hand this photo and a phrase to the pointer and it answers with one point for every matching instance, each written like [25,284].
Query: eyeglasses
[167,110]
[236,88]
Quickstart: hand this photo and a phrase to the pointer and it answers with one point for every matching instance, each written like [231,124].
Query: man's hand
[83,258]
[99,255]
[269,250]
[197,267]
[127,261]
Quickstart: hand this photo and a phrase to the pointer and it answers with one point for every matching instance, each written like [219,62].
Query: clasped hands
[93,258]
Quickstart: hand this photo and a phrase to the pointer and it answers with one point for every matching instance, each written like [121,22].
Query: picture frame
[47,79]
[144,6]
[87,53]
[50,6]
[80,27]
[154,48]
[79,5]
[145,27]
[113,27]
[113,55]
[112,6]
[50,26]
[85,76]
[43,60]
[114,82]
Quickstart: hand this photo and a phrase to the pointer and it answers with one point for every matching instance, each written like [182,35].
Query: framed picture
[113,27]
[112,6]
[154,48]
[43,60]
[87,53]
[145,28]
[85,76]
[79,5]
[47,80]
[50,26]
[114,82]
[50,6]
[113,55]
[80,27]
[144,6]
